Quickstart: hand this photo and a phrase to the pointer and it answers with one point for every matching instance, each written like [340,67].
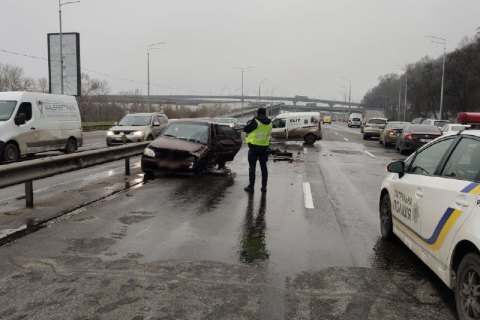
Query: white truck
[32,122]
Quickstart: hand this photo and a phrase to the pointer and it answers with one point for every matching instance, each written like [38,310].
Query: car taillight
[408,137]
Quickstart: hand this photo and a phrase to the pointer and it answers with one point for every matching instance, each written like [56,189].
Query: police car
[431,202]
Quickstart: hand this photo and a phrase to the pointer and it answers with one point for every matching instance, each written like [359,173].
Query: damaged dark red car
[191,146]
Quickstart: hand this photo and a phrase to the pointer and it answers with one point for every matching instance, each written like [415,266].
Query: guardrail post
[127,166]
[29,194]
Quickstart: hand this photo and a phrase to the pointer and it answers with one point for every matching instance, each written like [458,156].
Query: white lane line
[305,151]
[307,196]
[371,155]
[336,133]
[345,139]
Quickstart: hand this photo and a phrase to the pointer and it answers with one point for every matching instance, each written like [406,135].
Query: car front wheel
[386,225]
[467,289]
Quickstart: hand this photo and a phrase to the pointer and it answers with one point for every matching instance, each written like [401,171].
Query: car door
[27,133]
[279,128]
[450,197]
[227,142]
[408,198]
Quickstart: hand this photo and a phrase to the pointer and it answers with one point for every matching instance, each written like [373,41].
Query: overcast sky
[301,47]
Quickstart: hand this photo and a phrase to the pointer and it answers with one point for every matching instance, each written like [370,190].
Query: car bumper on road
[159,165]
[372,132]
[412,145]
[117,140]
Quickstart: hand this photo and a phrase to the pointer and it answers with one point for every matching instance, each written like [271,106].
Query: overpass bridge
[302,102]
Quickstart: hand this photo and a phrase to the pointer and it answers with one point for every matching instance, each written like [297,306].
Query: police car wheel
[467,289]
[386,226]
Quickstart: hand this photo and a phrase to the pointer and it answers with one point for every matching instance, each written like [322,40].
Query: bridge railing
[29,171]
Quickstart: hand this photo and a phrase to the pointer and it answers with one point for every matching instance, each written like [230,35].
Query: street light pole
[60,4]
[443,42]
[399,97]
[243,70]
[349,91]
[153,46]
[406,90]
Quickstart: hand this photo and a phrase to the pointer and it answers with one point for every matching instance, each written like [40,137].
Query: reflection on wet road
[200,247]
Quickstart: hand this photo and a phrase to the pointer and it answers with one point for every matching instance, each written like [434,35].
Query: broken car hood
[196,149]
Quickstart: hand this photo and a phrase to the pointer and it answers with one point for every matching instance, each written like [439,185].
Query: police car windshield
[6,109]
[131,120]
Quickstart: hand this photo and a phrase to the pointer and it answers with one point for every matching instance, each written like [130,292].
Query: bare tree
[42,85]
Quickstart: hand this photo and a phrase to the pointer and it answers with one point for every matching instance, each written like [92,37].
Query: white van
[355,120]
[32,122]
[297,126]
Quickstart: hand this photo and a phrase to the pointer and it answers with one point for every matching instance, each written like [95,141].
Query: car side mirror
[396,167]
[20,119]
[156,124]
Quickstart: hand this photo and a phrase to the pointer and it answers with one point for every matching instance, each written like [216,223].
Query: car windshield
[439,123]
[6,109]
[396,125]
[132,120]
[377,121]
[224,120]
[423,128]
[195,132]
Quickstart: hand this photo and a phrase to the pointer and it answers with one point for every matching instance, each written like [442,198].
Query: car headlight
[109,133]
[137,133]
[149,152]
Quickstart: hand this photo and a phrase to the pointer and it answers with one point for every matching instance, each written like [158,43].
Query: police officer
[258,138]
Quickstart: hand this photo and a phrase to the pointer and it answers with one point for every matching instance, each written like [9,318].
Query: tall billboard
[71,63]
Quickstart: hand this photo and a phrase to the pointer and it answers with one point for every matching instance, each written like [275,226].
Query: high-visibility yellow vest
[261,135]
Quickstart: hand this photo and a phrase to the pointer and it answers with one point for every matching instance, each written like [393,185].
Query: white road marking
[345,139]
[371,155]
[305,151]
[336,133]
[6,232]
[307,195]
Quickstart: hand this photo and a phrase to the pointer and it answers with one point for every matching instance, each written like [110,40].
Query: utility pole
[399,97]
[406,89]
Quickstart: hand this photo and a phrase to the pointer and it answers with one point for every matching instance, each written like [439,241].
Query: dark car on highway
[416,135]
[191,146]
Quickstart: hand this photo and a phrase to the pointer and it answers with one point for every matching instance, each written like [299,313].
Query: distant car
[137,127]
[327,119]
[453,128]
[418,120]
[414,136]
[437,123]
[373,127]
[430,202]
[232,122]
[390,132]
[191,146]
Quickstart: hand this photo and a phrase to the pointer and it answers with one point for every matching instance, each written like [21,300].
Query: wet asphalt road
[202,248]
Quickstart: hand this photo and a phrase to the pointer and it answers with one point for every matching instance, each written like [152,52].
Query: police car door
[408,199]
[450,198]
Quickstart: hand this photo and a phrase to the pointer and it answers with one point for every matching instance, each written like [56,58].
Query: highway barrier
[28,171]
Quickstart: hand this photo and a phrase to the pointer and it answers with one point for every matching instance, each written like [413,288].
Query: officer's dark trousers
[261,154]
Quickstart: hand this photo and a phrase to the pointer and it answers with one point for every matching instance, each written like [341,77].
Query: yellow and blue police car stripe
[444,226]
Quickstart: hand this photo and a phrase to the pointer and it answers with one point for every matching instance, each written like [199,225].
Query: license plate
[425,140]
[168,165]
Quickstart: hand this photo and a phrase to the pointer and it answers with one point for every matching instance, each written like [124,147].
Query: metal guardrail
[28,171]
